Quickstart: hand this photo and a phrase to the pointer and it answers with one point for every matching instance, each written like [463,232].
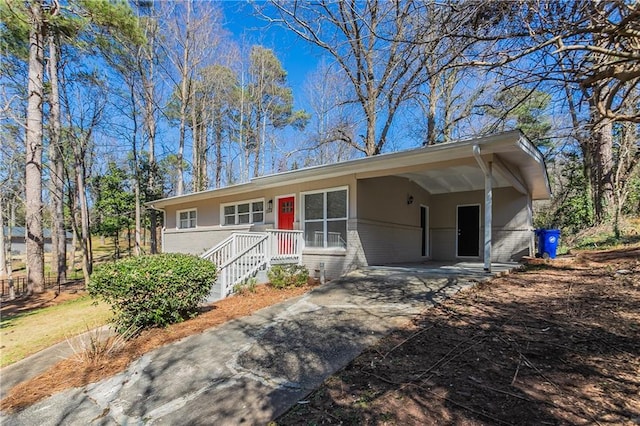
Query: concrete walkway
[250,370]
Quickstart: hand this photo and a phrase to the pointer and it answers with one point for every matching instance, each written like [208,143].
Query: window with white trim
[325,218]
[187,219]
[246,212]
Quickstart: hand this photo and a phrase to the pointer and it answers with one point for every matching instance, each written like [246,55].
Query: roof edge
[353,166]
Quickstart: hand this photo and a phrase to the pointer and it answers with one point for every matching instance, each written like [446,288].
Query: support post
[488,206]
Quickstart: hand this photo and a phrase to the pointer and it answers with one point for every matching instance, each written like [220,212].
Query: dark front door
[469,231]
[424,230]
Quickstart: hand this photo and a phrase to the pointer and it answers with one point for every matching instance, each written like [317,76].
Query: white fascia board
[423,155]
[537,192]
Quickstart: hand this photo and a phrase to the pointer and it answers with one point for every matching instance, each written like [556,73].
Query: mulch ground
[81,370]
[556,344]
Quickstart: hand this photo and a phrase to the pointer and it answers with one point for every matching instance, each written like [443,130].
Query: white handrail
[241,255]
[236,243]
[211,254]
[243,265]
[285,246]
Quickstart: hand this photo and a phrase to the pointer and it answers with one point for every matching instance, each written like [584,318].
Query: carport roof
[441,168]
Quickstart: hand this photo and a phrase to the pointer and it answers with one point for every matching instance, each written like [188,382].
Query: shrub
[245,287]
[283,276]
[153,291]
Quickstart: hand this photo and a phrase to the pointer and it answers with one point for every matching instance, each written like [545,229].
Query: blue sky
[298,57]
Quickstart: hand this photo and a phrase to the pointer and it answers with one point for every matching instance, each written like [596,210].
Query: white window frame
[236,214]
[195,219]
[324,219]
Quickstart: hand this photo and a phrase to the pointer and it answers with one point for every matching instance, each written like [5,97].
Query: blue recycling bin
[547,242]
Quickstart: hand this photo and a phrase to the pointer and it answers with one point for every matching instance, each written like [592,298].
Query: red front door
[286,216]
[286,213]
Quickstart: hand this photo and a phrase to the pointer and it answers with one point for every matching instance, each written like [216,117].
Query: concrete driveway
[250,370]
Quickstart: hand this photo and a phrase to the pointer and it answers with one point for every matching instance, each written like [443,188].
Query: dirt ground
[48,298]
[555,344]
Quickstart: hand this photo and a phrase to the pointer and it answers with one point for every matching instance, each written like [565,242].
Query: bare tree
[605,39]
[595,46]
[586,50]
[192,31]
[627,164]
[216,93]
[598,39]
[84,99]
[331,125]
[368,40]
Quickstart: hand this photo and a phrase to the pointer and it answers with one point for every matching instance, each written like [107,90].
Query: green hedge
[153,291]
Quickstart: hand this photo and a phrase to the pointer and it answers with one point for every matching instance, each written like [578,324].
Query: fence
[20,284]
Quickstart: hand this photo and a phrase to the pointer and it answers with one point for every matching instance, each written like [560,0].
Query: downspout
[164,222]
[488,206]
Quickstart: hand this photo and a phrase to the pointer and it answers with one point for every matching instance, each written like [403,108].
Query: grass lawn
[25,334]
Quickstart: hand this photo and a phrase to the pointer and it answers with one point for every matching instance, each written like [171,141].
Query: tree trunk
[180,156]
[85,237]
[598,157]
[370,138]
[218,148]
[627,163]
[138,219]
[606,166]
[431,116]
[58,233]
[204,167]
[153,238]
[185,97]
[33,168]
[150,126]
[197,148]
[3,248]
[6,251]
[74,241]
[116,246]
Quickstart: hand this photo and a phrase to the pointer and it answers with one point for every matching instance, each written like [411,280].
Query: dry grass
[98,344]
[26,333]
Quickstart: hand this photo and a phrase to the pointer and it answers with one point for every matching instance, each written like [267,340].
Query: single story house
[466,200]
[18,239]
